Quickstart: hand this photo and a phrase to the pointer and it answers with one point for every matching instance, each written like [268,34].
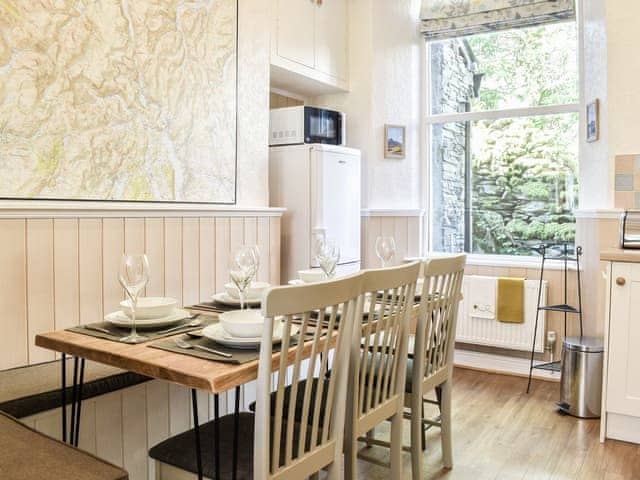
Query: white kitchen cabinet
[621,416]
[309,46]
[295,40]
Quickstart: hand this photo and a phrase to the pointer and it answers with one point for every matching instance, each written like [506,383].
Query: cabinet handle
[621,281]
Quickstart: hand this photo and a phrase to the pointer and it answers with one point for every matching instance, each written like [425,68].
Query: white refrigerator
[319,185]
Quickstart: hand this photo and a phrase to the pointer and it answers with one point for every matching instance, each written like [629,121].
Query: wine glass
[385,249]
[133,276]
[242,268]
[256,255]
[327,256]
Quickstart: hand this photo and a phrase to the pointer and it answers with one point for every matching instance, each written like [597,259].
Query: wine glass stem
[242,299]
[134,305]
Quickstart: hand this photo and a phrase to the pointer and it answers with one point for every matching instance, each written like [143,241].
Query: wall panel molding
[98,209]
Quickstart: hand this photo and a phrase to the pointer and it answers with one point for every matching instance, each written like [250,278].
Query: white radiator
[479,330]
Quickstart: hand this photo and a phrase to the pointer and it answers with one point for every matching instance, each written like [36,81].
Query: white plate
[218,334]
[296,282]
[226,299]
[120,319]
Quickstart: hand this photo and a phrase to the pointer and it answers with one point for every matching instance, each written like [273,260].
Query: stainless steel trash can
[581,376]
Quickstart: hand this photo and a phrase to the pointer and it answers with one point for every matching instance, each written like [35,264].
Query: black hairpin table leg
[63,394]
[236,434]
[76,437]
[196,430]
[71,430]
[216,434]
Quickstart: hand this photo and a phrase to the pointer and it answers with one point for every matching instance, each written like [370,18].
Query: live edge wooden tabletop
[208,375]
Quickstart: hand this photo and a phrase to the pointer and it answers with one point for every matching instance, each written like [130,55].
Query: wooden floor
[499,432]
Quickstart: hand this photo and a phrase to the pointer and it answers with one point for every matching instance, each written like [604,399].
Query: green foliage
[524,170]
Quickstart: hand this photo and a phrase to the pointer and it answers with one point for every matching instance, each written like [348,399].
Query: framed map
[119,100]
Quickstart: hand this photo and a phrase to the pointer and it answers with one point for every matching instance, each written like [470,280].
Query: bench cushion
[33,389]
[27,455]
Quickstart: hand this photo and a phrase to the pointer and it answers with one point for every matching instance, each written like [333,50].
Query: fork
[187,346]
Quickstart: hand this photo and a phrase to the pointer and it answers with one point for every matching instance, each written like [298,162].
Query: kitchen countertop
[620,255]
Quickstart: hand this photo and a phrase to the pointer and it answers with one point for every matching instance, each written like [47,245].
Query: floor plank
[500,432]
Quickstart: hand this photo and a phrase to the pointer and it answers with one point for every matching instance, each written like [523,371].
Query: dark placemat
[116,333]
[239,355]
[214,307]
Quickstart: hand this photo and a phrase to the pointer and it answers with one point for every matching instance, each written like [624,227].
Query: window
[503,139]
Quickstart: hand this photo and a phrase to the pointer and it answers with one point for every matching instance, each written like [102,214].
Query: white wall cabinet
[621,416]
[309,46]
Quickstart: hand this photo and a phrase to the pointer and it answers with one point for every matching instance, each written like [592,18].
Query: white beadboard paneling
[263,245]
[405,230]
[40,312]
[190,261]
[400,232]
[173,258]
[73,263]
[157,410]
[109,439]
[134,432]
[222,251]
[207,267]
[154,248]
[62,271]
[112,250]
[91,306]
[274,249]
[66,272]
[236,234]
[180,408]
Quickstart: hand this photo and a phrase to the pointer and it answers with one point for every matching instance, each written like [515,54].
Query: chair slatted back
[296,444]
[436,326]
[378,353]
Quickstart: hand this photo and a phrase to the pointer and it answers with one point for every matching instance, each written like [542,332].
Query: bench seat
[28,455]
[34,389]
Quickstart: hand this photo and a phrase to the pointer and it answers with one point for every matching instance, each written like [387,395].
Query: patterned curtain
[455,18]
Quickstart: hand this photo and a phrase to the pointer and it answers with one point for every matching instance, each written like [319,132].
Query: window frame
[431,119]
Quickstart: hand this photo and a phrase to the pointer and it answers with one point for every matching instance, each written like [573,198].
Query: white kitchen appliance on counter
[319,185]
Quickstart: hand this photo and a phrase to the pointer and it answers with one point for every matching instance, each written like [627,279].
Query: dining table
[215,377]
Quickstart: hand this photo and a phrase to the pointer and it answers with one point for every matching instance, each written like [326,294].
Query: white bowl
[254,292]
[242,323]
[150,307]
[310,276]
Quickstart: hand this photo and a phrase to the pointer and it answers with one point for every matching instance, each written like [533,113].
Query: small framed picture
[593,121]
[394,141]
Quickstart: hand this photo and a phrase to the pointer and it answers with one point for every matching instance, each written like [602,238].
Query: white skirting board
[623,427]
[499,364]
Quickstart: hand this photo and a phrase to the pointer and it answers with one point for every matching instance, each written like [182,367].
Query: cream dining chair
[294,443]
[431,358]
[378,360]
[293,434]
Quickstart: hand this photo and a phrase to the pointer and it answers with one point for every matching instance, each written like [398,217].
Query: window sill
[515,261]
[506,261]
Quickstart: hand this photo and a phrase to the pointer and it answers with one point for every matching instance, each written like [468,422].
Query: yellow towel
[511,300]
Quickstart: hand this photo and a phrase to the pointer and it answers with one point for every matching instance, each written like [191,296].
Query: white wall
[253,103]
[386,72]
[623,67]
[596,176]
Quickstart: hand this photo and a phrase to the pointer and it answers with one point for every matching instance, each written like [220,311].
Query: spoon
[187,346]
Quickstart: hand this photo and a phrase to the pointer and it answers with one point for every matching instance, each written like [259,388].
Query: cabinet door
[295,31]
[331,38]
[623,378]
